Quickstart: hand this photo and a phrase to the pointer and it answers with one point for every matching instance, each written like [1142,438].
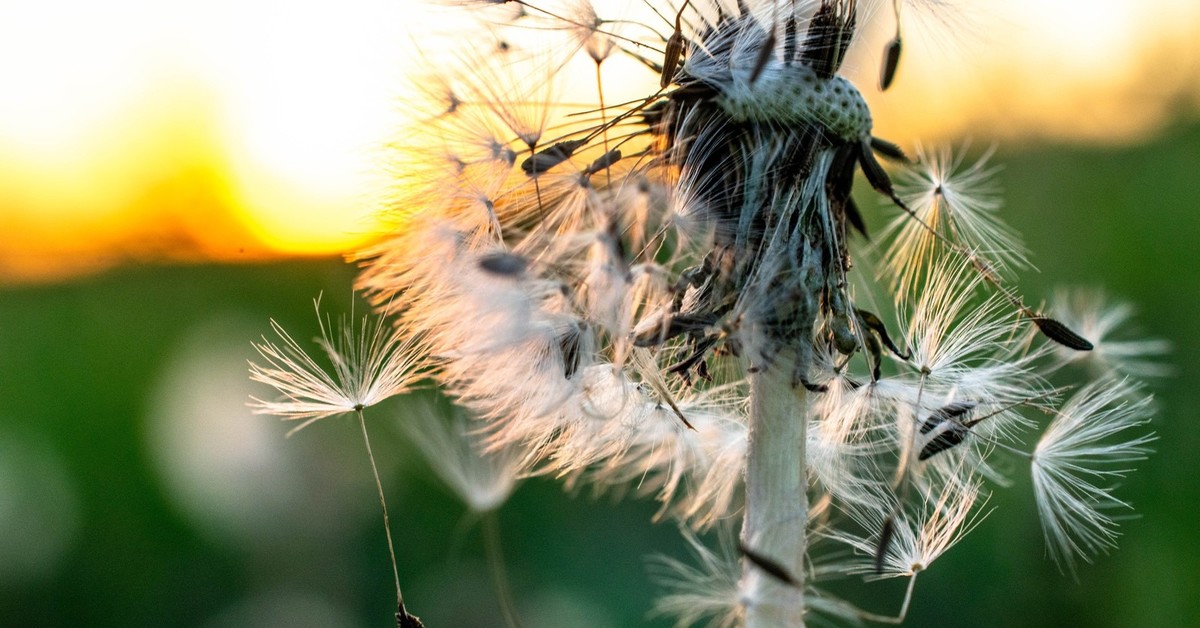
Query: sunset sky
[184,130]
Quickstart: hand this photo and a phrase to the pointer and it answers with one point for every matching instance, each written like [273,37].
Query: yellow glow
[240,129]
[211,129]
[1102,70]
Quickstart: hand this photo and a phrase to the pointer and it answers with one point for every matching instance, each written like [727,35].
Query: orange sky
[237,130]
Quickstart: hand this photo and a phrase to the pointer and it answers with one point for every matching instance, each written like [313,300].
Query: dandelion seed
[1082,451]
[368,366]
[1103,322]
[709,590]
[909,542]
[483,479]
[960,202]
[972,346]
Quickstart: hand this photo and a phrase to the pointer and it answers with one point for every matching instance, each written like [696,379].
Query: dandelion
[1105,321]
[483,479]
[368,367]
[661,297]
[1085,446]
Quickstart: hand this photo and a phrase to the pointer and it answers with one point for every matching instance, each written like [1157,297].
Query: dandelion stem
[899,618]
[776,502]
[387,526]
[495,558]
[603,121]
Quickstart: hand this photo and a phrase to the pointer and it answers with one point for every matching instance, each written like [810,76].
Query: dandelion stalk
[775,519]
[387,526]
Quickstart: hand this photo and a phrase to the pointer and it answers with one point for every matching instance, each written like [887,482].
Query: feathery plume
[1080,454]
[368,366]
[482,479]
[1107,323]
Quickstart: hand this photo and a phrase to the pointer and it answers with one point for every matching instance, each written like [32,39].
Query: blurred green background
[136,489]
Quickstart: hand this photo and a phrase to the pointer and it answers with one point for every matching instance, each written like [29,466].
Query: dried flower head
[661,295]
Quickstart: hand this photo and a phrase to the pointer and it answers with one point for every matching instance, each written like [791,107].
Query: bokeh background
[175,174]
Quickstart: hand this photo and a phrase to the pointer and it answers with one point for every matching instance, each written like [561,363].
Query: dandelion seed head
[602,286]
[795,94]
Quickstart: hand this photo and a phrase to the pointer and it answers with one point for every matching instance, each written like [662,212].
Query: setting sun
[244,130]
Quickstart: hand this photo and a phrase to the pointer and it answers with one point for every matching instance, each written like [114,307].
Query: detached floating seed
[891,59]
[953,435]
[949,412]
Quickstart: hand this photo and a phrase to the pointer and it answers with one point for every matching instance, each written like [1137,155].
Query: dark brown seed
[891,59]
[876,325]
[874,355]
[766,564]
[885,540]
[950,412]
[504,264]
[889,150]
[764,55]
[855,218]
[571,345]
[674,50]
[671,59]
[791,39]
[406,620]
[544,160]
[953,435]
[811,387]
[605,160]
[1059,333]
[828,37]
[874,172]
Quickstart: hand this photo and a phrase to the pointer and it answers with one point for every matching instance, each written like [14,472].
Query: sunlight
[262,120]
[244,130]
[1100,70]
